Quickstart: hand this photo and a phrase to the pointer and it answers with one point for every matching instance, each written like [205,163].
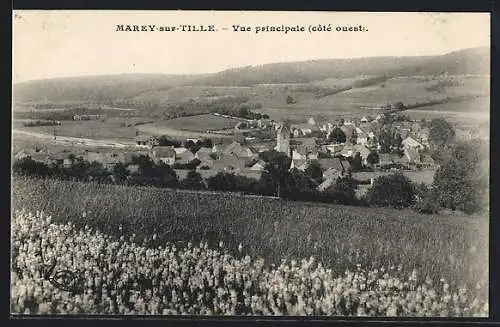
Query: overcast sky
[49,44]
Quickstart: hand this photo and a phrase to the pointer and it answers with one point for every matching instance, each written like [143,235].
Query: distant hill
[96,88]
[311,83]
[469,61]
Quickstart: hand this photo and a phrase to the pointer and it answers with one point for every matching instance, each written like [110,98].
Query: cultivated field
[160,129]
[200,123]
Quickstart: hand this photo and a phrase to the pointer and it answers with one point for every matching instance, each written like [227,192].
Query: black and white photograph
[250,163]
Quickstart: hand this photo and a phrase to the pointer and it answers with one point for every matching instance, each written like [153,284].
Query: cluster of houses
[243,157]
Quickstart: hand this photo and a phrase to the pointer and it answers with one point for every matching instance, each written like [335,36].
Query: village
[340,147]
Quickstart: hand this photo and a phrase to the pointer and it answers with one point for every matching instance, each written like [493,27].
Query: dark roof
[204,150]
[329,163]
[164,151]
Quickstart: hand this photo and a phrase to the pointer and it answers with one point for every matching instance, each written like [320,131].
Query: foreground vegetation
[451,247]
[59,269]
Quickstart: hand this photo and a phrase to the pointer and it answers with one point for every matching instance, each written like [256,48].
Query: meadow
[200,123]
[340,237]
[114,128]
[60,269]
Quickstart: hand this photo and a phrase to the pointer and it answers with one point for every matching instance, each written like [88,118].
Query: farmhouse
[300,164]
[259,166]
[184,157]
[112,159]
[60,159]
[147,141]
[413,155]
[304,152]
[239,150]
[302,129]
[333,167]
[334,148]
[229,163]
[351,150]
[203,153]
[164,154]
[410,142]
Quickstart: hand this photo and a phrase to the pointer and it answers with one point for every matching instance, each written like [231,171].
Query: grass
[200,123]
[453,247]
[113,128]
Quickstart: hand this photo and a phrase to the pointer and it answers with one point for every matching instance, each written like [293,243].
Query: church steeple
[283,139]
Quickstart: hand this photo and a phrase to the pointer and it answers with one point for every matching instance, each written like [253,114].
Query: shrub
[395,190]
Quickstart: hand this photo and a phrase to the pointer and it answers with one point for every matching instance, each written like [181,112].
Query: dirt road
[74,140]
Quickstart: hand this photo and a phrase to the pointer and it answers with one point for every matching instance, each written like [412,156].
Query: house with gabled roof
[259,166]
[203,153]
[184,157]
[334,167]
[300,164]
[239,150]
[163,154]
[60,159]
[229,163]
[413,155]
[410,142]
[362,136]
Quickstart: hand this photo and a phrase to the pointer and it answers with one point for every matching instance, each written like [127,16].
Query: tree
[343,191]
[373,158]
[120,173]
[193,181]
[395,190]
[29,166]
[441,132]
[426,199]
[164,176]
[97,172]
[344,185]
[314,171]
[243,112]
[290,100]
[276,169]
[337,136]
[165,141]
[207,143]
[222,182]
[462,180]
[145,163]
[356,162]
[389,140]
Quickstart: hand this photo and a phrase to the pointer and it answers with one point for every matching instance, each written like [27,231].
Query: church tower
[283,139]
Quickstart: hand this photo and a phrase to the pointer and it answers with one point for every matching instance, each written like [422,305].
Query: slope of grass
[453,247]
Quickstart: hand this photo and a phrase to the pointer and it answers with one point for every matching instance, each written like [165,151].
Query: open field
[453,247]
[74,141]
[424,176]
[115,128]
[160,129]
[200,123]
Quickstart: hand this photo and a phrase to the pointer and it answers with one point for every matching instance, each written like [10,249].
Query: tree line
[460,183]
